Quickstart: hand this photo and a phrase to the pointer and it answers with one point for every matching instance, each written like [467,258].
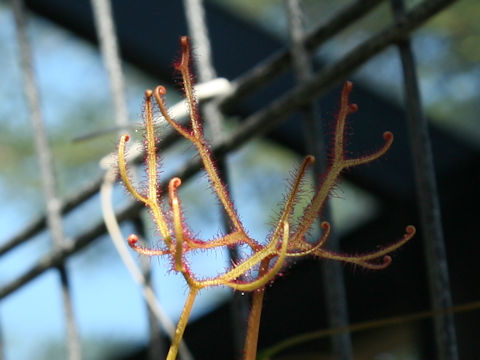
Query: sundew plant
[287,239]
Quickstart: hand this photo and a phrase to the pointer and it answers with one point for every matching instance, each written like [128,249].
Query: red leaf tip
[387,260]
[388,136]
[132,240]
[185,59]
[175,182]
[352,108]
[310,159]
[160,90]
[185,42]
[410,230]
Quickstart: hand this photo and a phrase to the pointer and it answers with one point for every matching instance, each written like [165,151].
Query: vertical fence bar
[54,217]
[105,27]
[156,348]
[332,273]
[427,196]
[198,30]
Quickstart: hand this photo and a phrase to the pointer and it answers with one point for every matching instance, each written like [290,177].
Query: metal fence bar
[332,272]
[156,348]
[54,218]
[278,62]
[198,31]
[428,201]
[105,28]
[257,124]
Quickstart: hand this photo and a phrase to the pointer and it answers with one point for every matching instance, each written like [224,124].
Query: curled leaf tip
[175,182]
[387,260]
[410,230]
[132,240]
[160,90]
[310,159]
[325,225]
[388,136]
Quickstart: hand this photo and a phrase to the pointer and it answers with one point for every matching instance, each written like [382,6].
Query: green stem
[182,323]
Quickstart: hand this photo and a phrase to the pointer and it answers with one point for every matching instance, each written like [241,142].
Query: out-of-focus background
[370,207]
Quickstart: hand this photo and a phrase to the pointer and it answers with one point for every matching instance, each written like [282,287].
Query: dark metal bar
[428,202]
[332,272]
[53,217]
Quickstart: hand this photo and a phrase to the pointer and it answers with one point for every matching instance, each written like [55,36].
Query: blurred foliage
[461,23]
